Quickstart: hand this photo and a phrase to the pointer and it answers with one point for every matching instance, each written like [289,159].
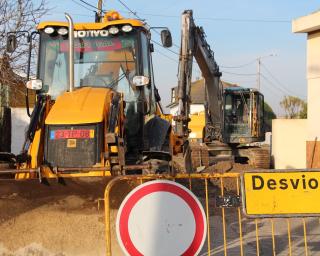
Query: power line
[135,14]
[273,84]
[238,74]
[88,4]
[168,57]
[82,5]
[155,42]
[265,20]
[127,7]
[240,66]
[247,20]
[277,80]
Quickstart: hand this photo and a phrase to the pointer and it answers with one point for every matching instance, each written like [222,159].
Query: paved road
[281,241]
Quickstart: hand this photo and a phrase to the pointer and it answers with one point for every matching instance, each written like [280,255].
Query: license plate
[72,134]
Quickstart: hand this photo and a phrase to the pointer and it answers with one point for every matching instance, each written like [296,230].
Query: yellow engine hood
[82,106]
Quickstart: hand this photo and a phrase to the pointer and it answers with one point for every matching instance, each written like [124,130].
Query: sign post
[161,218]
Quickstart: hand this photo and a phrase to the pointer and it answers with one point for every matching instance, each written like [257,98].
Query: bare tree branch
[15,16]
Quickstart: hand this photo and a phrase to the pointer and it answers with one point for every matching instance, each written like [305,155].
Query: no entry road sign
[161,218]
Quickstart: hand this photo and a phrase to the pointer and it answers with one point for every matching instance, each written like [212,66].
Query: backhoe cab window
[99,62]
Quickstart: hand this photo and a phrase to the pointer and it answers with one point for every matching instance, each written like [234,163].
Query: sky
[238,31]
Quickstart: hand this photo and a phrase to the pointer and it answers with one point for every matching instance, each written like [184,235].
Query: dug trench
[55,219]
[64,219]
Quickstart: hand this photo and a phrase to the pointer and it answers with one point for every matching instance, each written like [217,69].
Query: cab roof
[88,26]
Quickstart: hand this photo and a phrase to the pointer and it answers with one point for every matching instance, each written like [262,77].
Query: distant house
[196,108]
[13,116]
[12,86]
[197,97]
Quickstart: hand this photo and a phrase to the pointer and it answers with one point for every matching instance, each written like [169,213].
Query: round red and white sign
[161,218]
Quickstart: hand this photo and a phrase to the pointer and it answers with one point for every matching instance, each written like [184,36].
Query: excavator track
[203,155]
[259,158]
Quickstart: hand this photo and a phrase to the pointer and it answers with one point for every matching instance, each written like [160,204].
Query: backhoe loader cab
[243,116]
[97,110]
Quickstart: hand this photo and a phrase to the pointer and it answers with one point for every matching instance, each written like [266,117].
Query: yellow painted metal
[196,181]
[257,236]
[239,221]
[223,221]
[83,106]
[47,173]
[293,192]
[289,236]
[114,149]
[208,218]
[305,237]
[139,180]
[273,238]
[196,125]
[34,153]
[90,26]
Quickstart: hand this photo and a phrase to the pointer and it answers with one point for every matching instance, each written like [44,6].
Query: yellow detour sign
[281,193]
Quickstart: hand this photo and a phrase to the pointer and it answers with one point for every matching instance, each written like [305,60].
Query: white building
[296,142]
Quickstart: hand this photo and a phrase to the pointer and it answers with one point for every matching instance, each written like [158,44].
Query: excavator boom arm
[195,46]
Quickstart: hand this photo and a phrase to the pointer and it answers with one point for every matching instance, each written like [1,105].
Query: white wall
[289,143]
[313,76]
[19,122]
[194,108]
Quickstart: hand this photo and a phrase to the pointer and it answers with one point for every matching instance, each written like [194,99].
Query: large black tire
[5,129]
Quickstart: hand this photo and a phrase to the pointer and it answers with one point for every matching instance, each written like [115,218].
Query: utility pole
[259,74]
[259,69]
[99,12]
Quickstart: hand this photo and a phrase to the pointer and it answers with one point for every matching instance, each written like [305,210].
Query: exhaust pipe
[71,52]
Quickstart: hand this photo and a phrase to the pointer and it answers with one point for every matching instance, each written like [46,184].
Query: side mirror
[140,80]
[166,38]
[34,84]
[11,43]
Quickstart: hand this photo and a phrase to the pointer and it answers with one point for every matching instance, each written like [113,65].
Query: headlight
[126,28]
[62,31]
[49,30]
[113,30]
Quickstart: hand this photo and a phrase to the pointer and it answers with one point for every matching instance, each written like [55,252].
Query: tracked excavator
[97,110]
[234,117]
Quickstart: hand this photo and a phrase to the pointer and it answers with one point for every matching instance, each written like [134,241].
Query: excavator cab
[243,116]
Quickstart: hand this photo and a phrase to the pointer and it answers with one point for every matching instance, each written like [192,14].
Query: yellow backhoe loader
[97,110]
[97,115]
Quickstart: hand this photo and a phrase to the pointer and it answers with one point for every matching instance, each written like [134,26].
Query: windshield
[237,111]
[100,61]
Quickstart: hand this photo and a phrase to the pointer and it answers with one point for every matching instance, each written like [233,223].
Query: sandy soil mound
[69,226]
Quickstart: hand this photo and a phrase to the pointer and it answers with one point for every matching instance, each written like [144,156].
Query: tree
[293,106]
[304,111]
[18,15]
[268,116]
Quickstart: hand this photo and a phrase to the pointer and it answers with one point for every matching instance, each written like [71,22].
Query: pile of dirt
[36,219]
[229,184]
[67,226]
[228,166]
